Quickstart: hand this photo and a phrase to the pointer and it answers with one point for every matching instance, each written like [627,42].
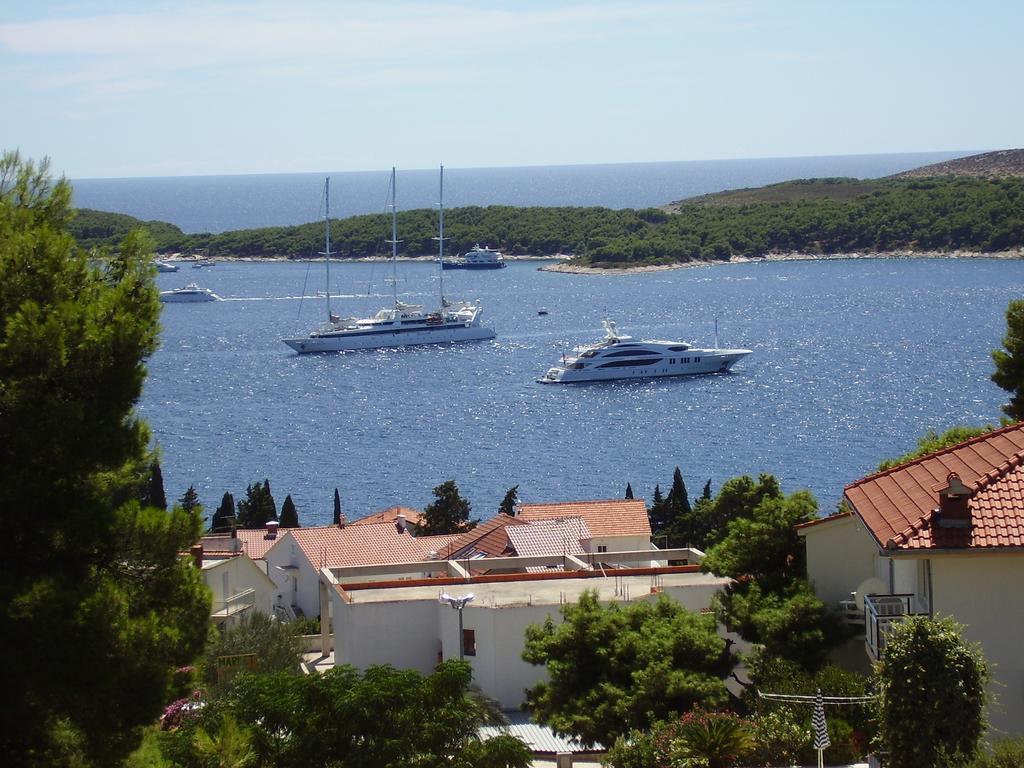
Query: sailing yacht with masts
[402,324]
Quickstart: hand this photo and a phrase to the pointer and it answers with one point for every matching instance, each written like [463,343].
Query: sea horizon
[222,202]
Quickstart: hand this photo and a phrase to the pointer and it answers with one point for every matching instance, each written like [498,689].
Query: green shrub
[1007,753]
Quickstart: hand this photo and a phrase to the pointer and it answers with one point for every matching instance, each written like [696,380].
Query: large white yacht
[476,258]
[398,326]
[618,356]
[191,293]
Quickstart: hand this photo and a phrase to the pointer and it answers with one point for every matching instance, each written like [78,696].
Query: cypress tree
[224,517]
[337,507]
[289,515]
[659,512]
[707,490]
[678,498]
[508,504]
[271,504]
[156,497]
[629,491]
[189,500]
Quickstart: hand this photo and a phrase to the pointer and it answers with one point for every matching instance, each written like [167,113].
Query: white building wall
[840,556]
[242,574]
[402,634]
[620,543]
[986,593]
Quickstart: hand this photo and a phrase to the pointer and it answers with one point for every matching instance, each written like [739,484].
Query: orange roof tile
[253,542]
[412,516]
[897,505]
[618,517]
[820,520]
[488,538]
[368,544]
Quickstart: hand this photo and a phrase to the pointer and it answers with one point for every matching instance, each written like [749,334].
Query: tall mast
[440,239]
[327,241]
[394,240]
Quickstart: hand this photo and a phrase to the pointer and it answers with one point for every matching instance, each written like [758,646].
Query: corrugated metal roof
[539,738]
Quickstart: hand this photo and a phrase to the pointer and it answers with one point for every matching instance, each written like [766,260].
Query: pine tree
[257,507]
[706,494]
[629,491]
[155,496]
[289,515]
[508,504]
[189,501]
[448,513]
[337,507]
[224,518]
[96,580]
[1009,361]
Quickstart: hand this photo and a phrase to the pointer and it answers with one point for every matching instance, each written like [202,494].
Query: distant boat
[618,356]
[164,266]
[542,311]
[398,326]
[476,258]
[191,293]
[203,263]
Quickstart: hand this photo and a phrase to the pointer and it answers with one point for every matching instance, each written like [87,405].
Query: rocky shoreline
[577,269]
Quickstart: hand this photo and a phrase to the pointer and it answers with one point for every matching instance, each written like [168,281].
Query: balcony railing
[880,613]
[234,605]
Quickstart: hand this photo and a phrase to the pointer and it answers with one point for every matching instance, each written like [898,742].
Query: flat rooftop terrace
[554,591]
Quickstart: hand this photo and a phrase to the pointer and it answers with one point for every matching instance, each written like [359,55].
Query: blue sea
[220,203]
[852,361]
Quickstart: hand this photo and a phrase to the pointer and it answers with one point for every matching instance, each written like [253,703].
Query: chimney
[196,553]
[271,529]
[341,520]
[954,503]
[234,545]
[400,522]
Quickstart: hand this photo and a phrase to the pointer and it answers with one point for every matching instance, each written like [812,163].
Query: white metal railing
[880,613]
[242,601]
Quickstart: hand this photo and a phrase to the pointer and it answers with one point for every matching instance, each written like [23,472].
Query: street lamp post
[458,603]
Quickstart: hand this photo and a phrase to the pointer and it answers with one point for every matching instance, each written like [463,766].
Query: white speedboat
[476,258]
[402,324]
[191,293]
[164,266]
[618,356]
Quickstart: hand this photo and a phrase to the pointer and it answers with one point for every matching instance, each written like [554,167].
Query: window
[602,547]
[469,642]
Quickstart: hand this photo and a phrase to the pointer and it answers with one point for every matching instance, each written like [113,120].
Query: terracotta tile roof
[488,538]
[412,516]
[898,505]
[549,537]
[253,542]
[820,520]
[369,544]
[618,517]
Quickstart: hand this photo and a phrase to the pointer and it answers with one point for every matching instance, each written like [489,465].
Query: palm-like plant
[721,739]
[230,747]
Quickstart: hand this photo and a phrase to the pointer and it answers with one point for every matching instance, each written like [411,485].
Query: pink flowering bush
[181,710]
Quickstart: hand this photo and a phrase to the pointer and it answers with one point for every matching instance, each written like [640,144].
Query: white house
[295,559]
[239,587]
[940,535]
[401,622]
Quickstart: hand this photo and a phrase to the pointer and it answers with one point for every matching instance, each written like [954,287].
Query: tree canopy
[508,503]
[1009,360]
[380,718]
[257,508]
[448,513]
[289,515]
[96,605]
[769,600]
[933,694]
[613,668]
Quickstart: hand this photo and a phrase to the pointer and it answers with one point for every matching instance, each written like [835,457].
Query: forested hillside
[807,216]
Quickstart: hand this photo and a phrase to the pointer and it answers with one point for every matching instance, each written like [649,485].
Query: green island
[802,217]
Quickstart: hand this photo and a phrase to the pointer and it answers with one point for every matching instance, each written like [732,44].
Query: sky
[111,88]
